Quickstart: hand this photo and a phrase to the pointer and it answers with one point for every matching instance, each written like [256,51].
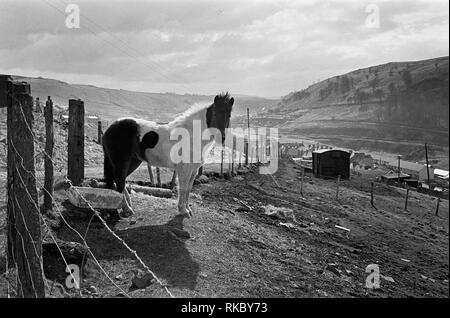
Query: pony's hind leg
[120,175]
[108,172]
[134,164]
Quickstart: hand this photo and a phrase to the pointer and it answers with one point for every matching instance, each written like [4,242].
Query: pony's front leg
[184,174]
[190,184]
[127,210]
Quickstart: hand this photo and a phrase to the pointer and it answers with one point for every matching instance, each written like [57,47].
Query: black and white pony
[129,141]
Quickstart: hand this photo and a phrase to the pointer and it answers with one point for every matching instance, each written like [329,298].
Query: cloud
[260,47]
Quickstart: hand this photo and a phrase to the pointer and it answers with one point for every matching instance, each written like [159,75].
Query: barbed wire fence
[27,225]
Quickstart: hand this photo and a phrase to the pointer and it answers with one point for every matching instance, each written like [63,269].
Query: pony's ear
[231,101]
[216,99]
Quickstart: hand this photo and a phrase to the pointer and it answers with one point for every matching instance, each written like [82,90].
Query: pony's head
[218,114]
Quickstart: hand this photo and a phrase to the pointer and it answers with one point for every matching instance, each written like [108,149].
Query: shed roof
[441,173]
[330,150]
[394,175]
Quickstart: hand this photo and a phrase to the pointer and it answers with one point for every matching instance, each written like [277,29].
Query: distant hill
[408,93]
[393,107]
[110,104]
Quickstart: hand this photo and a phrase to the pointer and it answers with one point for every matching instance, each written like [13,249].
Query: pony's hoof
[126,213]
[185,214]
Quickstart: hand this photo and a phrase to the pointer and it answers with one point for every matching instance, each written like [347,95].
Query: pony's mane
[223,97]
[197,107]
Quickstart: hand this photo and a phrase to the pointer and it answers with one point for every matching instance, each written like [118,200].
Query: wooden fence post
[240,160]
[6,101]
[158,177]
[99,132]
[233,154]
[248,137]
[48,156]
[229,161]
[38,106]
[23,211]
[174,178]
[150,173]
[257,147]
[75,162]
[246,150]
[437,206]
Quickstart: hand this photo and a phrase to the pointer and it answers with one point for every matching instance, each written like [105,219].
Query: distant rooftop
[327,150]
[394,175]
[407,165]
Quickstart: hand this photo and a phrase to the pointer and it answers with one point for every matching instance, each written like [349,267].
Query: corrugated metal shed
[331,163]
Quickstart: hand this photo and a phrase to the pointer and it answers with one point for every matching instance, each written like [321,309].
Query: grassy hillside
[110,104]
[395,92]
[394,107]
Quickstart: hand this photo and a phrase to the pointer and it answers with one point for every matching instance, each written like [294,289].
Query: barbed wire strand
[133,252]
[73,229]
[43,219]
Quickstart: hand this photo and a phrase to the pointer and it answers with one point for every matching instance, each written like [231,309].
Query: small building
[394,176]
[415,170]
[441,174]
[361,159]
[331,163]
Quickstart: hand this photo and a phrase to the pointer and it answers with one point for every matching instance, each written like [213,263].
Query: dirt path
[226,250]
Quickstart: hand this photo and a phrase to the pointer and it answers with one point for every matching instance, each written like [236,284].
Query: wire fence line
[38,142]
[66,223]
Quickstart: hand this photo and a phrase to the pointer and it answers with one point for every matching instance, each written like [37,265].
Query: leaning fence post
[437,206]
[75,162]
[48,157]
[337,187]
[26,246]
[99,132]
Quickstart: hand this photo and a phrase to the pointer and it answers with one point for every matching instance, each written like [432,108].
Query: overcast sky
[264,48]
